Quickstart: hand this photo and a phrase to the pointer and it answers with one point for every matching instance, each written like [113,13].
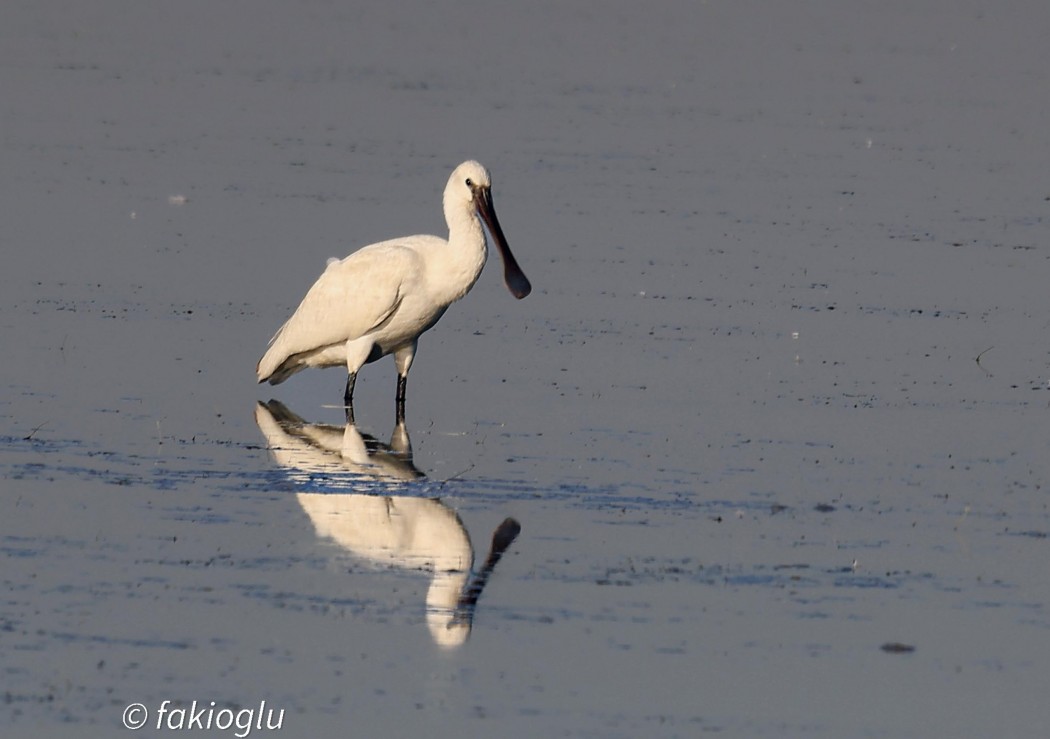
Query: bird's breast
[412,318]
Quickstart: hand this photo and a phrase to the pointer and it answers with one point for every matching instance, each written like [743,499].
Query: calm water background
[778,400]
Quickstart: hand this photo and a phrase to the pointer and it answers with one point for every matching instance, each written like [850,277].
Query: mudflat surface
[772,423]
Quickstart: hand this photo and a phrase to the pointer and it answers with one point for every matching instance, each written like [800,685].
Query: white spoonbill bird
[380,299]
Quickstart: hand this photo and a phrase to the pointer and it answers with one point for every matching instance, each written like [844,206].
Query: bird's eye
[470,182]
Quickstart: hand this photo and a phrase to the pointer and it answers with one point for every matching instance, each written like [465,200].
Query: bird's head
[469,190]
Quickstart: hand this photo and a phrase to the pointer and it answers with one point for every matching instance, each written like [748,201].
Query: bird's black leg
[348,396]
[402,383]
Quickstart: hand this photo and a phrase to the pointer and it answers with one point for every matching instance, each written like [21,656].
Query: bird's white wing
[351,298]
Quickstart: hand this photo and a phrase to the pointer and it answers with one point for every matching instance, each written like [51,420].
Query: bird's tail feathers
[273,360]
[275,367]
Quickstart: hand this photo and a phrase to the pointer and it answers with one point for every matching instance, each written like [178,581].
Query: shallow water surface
[763,454]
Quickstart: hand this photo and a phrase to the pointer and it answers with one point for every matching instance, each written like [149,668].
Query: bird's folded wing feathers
[351,298]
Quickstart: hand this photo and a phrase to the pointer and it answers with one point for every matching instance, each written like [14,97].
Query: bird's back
[350,298]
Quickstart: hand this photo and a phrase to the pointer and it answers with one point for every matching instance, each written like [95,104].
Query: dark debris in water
[97,299]
[794,575]
[1031,534]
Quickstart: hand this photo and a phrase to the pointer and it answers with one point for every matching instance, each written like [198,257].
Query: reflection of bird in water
[381,298]
[340,451]
[398,530]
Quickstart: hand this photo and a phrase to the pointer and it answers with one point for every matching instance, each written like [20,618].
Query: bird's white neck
[464,256]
